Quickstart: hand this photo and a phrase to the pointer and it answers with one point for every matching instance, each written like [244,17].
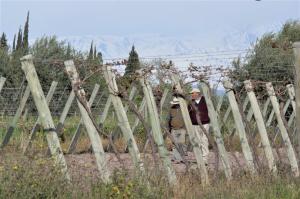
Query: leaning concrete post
[105,111]
[239,126]
[261,127]
[122,117]
[284,134]
[77,133]
[131,96]
[291,92]
[15,120]
[226,115]
[156,129]
[141,108]
[220,102]
[88,122]
[44,113]
[37,123]
[2,81]
[296,47]
[216,130]
[108,104]
[194,137]
[163,99]
[64,113]
[267,103]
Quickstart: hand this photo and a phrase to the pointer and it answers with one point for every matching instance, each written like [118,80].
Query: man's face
[196,95]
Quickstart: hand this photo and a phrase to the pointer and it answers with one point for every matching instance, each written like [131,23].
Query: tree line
[49,52]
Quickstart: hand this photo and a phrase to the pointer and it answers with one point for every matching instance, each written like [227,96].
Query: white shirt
[198,100]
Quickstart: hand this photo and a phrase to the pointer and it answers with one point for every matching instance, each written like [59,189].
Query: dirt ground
[84,165]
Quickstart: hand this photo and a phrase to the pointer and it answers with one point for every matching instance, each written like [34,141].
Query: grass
[23,177]
[35,176]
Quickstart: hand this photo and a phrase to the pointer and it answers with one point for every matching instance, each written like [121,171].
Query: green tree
[19,40]
[3,42]
[91,53]
[95,54]
[48,53]
[69,51]
[25,37]
[133,62]
[99,57]
[4,62]
[14,43]
[271,58]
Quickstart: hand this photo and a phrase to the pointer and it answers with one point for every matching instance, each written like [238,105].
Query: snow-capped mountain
[215,48]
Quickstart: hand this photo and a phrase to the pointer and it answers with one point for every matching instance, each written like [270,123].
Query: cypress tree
[26,32]
[91,54]
[68,53]
[133,62]
[19,40]
[95,53]
[3,42]
[99,56]
[14,43]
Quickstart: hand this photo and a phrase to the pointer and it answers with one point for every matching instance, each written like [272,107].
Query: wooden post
[226,115]
[264,112]
[2,81]
[291,92]
[44,113]
[267,103]
[286,106]
[220,102]
[270,118]
[296,47]
[88,122]
[163,99]
[123,122]
[156,129]
[283,112]
[284,134]
[108,104]
[15,120]
[194,137]
[75,138]
[216,129]
[25,114]
[249,114]
[106,109]
[162,102]
[38,121]
[131,96]
[64,114]
[239,126]
[137,121]
[261,127]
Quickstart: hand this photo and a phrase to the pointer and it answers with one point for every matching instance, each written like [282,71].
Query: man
[198,108]
[177,128]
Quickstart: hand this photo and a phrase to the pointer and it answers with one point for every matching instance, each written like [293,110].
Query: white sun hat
[195,90]
[174,101]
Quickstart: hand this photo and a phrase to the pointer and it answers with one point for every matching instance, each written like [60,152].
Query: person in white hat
[177,129]
[198,109]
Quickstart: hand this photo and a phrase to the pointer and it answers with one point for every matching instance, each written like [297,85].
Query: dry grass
[24,177]
[34,176]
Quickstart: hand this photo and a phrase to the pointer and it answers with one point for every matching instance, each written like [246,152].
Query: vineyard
[93,132]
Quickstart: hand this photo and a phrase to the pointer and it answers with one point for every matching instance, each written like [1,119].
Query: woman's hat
[195,90]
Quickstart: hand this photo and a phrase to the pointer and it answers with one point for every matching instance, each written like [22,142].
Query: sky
[177,19]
